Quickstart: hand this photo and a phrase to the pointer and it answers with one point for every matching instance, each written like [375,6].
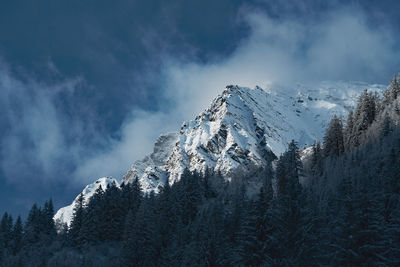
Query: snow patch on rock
[240,130]
[65,214]
[242,125]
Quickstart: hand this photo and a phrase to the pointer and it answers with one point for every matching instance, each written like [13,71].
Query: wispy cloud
[34,140]
[341,45]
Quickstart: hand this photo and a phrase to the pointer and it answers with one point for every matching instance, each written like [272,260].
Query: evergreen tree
[386,125]
[288,170]
[17,236]
[167,214]
[112,217]
[249,246]
[77,222]
[90,228]
[392,92]
[333,139]
[140,247]
[32,229]
[5,234]
[346,212]
[365,114]
[291,221]
[348,134]
[373,235]
[316,162]
[48,223]
[6,225]
[129,248]
[255,228]
[190,195]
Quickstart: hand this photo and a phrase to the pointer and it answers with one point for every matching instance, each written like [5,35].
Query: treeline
[23,244]
[336,204]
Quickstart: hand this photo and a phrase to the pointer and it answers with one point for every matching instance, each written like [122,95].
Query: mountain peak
[243,126]
[240,130]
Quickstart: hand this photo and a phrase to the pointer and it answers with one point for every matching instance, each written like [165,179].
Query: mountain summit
[242,127]
[241,130]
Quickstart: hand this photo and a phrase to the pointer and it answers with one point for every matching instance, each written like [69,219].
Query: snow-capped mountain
[238,131]
[241,126]
[64,215]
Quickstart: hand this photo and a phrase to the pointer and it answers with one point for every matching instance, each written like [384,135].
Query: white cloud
[340,46]
[137,139]
[343,46]
[33,142]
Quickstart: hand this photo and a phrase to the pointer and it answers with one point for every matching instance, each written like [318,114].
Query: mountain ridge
[242,120]
[241,129]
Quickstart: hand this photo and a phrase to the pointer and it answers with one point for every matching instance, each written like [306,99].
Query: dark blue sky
[77,76]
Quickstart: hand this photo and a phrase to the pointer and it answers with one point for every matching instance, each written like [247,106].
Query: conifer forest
[336,203]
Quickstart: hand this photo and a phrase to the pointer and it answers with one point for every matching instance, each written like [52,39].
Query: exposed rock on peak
[240,130]
[243,127]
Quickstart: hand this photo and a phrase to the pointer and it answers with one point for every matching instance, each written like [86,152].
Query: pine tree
[214,229]
[140,239]
[17,236]
[190,196]
[112,217]
[77,222]
[48,222]
[255,228]
[333,139]
[343,225]
[32,229]
[290,220]
[316,162]
[6,224]
[373,235]
[392,92]
[348,134]
[365,113]
[91,224]
[129,248]
[288,170]
[132,196]
[249,246]
[386,125]
[209,192]
[167,215]
[233,223]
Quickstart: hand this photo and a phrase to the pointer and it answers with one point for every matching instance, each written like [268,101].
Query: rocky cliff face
[243,127]
[240,130]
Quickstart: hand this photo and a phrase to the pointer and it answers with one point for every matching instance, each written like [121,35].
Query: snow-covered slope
[238,131]
[153,167]
[242,125]
[64,215]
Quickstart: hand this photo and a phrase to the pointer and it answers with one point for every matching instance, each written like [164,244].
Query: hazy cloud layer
[341,46]
[42,142]
[35,133]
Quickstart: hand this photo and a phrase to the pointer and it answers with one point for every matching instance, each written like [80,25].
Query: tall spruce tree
[140,240]
[49,228]
[290,216]
[6,225]
[316,161]
[365,113]
[348,134]
[17,235]
[32,229]
[77,221]
[92,216]
[333,139]
[392,92]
